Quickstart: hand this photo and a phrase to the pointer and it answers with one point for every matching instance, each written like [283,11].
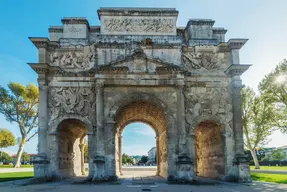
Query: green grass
[11,166]
[15,176]
[275,178]
[278,168]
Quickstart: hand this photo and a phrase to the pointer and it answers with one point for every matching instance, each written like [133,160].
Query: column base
[42,171]
[185,170]
[242,163]
[99,167]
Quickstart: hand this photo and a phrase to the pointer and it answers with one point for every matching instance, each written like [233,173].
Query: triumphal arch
[137,65]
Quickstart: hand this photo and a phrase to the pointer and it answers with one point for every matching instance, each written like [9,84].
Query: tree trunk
[19,153]
[254,156]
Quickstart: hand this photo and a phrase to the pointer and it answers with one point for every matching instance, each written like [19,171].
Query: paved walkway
[127,186]
[268,171]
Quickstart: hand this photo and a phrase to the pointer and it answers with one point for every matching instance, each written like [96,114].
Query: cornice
[56,29]
[209,22]
[236,43]
[237,69]
[111,11]
[43,42]
[217,30]
[75,20]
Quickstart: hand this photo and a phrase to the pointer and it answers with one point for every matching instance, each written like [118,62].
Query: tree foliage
[257,120]
[5,157]
[19,104]
[274,87]
[277,155]
[25,157]
[144,159]
[6,138]
[127,159]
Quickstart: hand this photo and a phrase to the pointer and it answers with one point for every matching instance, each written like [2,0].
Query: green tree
[274,87]
[278,155]
[257,117]
[144,159]
[19,104]
[25,157]
[6,139]
[5,157]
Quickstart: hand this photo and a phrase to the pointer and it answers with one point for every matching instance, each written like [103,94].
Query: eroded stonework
[139,66]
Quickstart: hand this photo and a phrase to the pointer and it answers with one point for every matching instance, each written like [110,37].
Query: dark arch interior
[209,146]
[149,113]
[70,137]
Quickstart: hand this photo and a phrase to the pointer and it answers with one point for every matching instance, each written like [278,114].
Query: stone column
[120,154]
[240,159]
[43,117]
[82,149]
[181,120]
[157,156]
[184,164]
[41,161]
[237,115]
[99,160]
[100,119]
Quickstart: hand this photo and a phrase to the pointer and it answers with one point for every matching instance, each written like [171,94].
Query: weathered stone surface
[137,66]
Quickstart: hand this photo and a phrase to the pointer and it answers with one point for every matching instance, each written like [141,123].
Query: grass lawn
[276,178]
[11,166]
[15,176]
[278,168]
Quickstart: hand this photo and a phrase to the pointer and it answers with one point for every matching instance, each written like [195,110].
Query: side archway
[211,134]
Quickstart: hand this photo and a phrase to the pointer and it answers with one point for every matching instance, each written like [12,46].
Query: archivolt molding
[53,126]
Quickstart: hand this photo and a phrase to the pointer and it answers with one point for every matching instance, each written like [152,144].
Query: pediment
[139,62]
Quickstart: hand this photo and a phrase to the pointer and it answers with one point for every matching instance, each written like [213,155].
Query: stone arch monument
[139,66]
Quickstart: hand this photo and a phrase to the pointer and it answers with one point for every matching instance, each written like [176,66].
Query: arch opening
[150,114]
[72,141]
[209,148]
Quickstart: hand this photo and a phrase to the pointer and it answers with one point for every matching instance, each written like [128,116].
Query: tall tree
[257,121]
[274,87]
[6,139]
[25,157]
[19,104]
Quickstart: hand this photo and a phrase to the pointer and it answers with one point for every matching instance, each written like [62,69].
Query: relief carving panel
[70,100]
[201,60]
[139,25]
[208,101]
[75,59]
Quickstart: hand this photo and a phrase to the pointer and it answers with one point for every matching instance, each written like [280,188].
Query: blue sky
[264,22]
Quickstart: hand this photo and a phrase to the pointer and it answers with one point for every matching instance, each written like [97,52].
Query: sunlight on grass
[282,168]
[11,166]
[15,176]
[276,178]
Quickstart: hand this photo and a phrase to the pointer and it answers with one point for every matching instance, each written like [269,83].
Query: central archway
[147,112]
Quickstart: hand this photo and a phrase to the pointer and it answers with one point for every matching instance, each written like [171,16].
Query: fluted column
[181,120]
[43,117]
[100,119]
[237,115]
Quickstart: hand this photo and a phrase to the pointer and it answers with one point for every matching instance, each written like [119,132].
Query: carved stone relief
[70,100]
[74,59]
[201,60]
[208,101]
[139,25]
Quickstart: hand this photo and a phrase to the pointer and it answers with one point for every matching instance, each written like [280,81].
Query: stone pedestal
[42,171]
[99,167]
[185,170]
[243,169]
